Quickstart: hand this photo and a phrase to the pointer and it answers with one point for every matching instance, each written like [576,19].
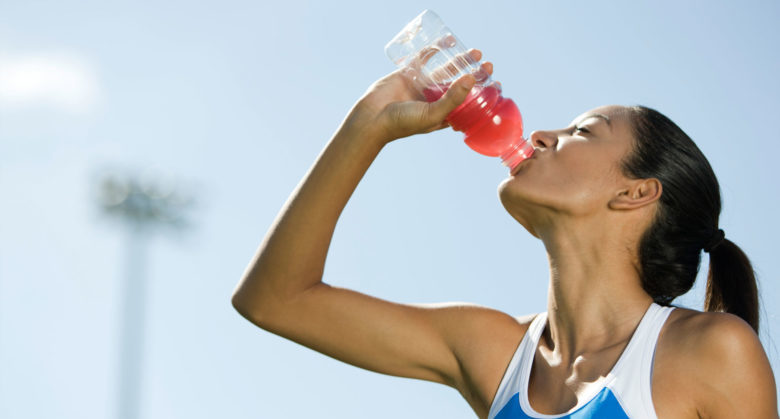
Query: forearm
[292,256]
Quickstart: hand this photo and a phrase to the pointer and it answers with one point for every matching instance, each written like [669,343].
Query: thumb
[455,95]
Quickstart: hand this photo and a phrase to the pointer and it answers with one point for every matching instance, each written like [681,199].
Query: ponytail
[686,221]
[731,283]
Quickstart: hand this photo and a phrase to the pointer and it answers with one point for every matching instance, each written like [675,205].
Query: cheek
[577,178]
[585,187]
[577,185]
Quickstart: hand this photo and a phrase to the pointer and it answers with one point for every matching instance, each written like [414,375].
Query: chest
[555,388]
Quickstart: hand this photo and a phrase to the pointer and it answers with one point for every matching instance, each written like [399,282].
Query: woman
[624,203]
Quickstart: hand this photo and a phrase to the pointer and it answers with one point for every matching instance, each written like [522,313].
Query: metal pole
[142,208]
[132,318]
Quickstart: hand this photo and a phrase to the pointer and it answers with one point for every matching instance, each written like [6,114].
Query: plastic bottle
[434,58]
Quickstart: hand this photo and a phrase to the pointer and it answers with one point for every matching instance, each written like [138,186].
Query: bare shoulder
[481,337]
[718,362]
[708,336]
[467,321]
[484,341]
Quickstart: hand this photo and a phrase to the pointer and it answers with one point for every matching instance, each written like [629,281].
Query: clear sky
[234,99]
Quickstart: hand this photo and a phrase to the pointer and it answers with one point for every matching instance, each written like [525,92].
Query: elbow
[245,307]
[251,307]
[262,302]
[238,303]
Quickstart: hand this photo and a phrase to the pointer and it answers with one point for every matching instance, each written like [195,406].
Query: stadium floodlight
[143,205]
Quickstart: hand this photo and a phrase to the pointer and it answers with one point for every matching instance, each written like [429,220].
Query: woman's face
[575,171]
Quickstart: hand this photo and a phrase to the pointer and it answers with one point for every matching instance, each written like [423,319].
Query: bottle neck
[517,154]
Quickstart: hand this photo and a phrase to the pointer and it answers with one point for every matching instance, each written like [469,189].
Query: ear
[640,192]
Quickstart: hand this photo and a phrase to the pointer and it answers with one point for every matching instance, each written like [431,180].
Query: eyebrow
[597,115]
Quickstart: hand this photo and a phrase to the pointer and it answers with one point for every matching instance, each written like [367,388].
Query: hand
[392,108]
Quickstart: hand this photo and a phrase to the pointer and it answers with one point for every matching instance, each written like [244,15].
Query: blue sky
[233,100]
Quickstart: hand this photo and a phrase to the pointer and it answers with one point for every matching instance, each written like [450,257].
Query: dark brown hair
[686,221]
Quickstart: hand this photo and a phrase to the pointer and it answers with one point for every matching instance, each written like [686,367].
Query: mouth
[520,166]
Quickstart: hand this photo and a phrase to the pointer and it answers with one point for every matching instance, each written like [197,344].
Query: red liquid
[492,123]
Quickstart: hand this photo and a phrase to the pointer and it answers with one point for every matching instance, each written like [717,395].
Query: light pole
[142,207]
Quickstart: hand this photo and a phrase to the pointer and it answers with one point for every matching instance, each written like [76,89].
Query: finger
[483,73]
[457,65]
[475,54]
[487,67]
[441,126]
[426,53]
[442,44]
[455,95]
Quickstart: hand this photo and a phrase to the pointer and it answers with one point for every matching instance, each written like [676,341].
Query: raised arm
[282,289]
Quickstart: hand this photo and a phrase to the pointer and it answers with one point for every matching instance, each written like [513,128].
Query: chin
[513,202]
[510,193]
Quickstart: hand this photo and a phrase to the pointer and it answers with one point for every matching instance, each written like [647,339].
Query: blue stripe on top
[603,406]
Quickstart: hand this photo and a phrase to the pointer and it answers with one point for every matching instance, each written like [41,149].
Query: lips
[517,168]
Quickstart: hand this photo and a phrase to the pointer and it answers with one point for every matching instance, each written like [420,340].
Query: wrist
[364,127]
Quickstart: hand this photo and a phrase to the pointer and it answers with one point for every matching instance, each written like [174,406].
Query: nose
[544,139]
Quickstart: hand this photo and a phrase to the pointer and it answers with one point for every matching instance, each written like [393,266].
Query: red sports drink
[434,58]
[492,123]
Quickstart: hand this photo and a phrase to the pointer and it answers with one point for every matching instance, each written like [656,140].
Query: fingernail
[469,83]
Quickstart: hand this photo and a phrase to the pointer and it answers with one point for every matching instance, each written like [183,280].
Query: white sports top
[625,393]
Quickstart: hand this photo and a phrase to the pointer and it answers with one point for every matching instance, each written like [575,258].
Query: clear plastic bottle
[433,57]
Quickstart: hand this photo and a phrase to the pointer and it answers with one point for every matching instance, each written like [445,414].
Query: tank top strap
[518,365]
[632,376]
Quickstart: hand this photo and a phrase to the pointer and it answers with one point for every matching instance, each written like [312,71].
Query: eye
[581,129]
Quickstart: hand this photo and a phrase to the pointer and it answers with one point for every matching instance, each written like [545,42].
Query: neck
[595,298]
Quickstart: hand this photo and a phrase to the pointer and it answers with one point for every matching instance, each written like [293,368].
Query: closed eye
[581,129]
